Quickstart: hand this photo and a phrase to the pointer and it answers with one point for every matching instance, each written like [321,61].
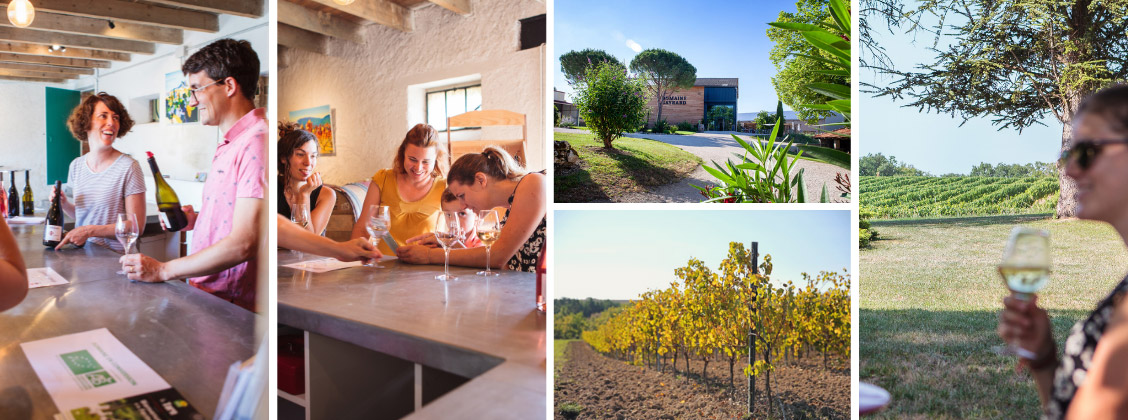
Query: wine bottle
[54,231]
[28,201]
[167,201]
[13,198]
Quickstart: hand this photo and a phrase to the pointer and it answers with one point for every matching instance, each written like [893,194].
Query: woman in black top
[298,184]
[1090,379]
[488,180]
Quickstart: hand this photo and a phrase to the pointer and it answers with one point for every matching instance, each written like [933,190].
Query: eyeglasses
[1086,151]
[192,92]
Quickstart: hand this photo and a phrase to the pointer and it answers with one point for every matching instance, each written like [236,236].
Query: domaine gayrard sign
[674,100]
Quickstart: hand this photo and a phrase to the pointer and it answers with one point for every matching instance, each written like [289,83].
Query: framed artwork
[176,109]
[319,121]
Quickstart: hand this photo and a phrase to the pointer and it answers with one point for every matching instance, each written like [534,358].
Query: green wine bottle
[13,197]
[167,201]
[53,233]
[28,201]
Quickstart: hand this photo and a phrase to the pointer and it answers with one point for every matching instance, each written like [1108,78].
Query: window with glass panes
[445,103]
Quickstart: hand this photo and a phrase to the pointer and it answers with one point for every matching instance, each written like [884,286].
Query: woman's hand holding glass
[1027,328]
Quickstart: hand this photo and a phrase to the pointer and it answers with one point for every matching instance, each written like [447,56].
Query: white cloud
[634,46]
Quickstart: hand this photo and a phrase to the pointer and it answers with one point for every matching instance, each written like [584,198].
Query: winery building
[692,105]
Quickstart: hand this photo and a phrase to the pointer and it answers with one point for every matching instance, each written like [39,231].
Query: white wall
[367,85]
[24,143]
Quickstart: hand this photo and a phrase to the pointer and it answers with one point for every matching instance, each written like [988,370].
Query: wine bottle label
[164,220]
[53,233]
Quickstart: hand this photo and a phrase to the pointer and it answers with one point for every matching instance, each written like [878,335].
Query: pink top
[238,170]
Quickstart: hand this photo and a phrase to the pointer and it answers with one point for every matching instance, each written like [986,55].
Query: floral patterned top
[1078,355]
[528,255]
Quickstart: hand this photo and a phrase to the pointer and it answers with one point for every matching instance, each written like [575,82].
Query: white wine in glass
[1025,270]
[379,221]
[446,234]
[489,229]
[126,230]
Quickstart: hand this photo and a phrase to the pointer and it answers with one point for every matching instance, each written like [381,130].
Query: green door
[62,147]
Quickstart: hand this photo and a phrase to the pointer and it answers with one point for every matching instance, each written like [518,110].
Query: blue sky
[619,254]
[720,38]
[935,142]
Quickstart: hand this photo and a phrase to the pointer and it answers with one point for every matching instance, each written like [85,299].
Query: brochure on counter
[43,277]
[91,375]
[323,265]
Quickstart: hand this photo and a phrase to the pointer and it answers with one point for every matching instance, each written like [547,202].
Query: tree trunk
[732,385]
[705,372]
[659,96]
[607,142]
[1067,201]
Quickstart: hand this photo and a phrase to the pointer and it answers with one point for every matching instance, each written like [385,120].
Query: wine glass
[126,230]
[1025,270]
[489,229]
[299,214]
[446,234]
[379,221]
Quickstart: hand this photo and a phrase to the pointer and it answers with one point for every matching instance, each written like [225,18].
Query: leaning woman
[412,188]
[298,183]
[488,180]
[105,181]
[1089,380]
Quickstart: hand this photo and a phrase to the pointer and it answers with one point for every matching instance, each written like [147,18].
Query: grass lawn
[684,133]
[928,307]
[634,165]
[558,357]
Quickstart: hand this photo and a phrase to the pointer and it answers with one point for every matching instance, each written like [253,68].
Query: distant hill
[315,121]
[585,306]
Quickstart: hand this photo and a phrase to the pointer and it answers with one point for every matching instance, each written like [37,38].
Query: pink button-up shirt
[238,170]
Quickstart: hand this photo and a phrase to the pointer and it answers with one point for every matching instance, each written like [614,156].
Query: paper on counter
[93,375]
[323,265]
[43,277]
[26,220]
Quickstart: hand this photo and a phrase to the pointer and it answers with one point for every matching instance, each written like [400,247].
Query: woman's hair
[422,135]
[1111,104]
[82,116]
[290,138]
[494,161]
[448,196]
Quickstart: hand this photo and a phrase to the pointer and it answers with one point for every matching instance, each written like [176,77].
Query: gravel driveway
[717,147]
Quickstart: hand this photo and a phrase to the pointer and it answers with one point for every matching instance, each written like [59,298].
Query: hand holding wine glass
[126,230]
[489,230]
[446,234]
[1025,269]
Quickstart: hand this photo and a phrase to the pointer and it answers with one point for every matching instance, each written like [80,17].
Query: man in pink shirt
[222,77]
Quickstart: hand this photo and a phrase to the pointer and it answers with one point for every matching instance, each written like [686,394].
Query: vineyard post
[752,331]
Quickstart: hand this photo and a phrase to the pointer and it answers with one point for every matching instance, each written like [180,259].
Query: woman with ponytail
[488,180]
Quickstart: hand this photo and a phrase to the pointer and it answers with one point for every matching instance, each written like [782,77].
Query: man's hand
[142,268]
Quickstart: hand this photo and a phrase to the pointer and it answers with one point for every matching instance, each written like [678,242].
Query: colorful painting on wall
[318,121]
[176,109]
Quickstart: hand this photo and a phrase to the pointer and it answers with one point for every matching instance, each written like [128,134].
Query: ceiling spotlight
[111,23]
[343,2]
[56,48]
[21,13]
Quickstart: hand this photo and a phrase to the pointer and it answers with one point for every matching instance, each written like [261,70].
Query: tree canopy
[664,72]
[575,64]
[798,63]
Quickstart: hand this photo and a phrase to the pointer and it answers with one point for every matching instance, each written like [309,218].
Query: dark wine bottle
[53,233]
[167,201]
[28,201]
[13,198]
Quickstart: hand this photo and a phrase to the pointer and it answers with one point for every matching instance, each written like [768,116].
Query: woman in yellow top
[412,189]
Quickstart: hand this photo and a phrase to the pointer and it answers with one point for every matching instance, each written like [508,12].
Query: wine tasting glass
[379,221]
[446,234]
[126,230]
[489,229]
[299,214]
[1025,270]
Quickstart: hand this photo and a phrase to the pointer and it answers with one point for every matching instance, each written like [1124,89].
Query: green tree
[721,113]
[1014,61]
[575,64]
[610,101]
[763,120]
[780,119]
[798,63]
[665,72]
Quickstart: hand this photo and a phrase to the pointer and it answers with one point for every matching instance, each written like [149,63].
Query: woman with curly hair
[105,181]
[299,185]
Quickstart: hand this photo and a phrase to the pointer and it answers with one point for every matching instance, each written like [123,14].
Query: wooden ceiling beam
[54,61]
[45,68]
[320,22]
[80,41]
[462,7]
[32,79]
[126,11]
[36,74]
[243,8]
[383,12]
[36,49]
[79,25]
[301,39]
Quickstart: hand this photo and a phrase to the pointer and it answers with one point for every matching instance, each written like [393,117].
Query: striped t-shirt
[100,196]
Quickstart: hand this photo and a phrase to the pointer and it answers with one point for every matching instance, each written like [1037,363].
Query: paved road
[717,147]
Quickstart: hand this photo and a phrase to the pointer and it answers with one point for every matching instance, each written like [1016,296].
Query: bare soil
[607,388]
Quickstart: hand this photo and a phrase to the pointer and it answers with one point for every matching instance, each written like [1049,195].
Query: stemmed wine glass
[446,234]
[379,221]
[299,214]
[126,230]
[489,229]
[1025,270]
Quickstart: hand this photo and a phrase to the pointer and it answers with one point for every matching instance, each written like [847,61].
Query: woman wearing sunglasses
[1089,380]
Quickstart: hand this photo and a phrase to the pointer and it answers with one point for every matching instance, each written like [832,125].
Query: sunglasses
[1085,152]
